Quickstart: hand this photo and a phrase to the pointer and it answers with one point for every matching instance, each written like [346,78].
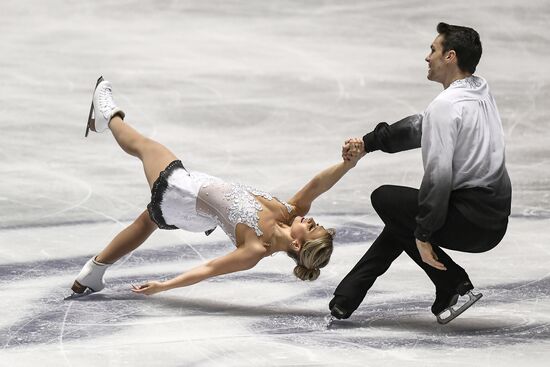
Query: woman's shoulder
[254,245]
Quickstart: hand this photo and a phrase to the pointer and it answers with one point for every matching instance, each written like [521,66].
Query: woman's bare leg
[154,156]
[91,275]
[128,239]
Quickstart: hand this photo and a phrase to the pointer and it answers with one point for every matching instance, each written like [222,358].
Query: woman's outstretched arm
[321,183]
[243,258]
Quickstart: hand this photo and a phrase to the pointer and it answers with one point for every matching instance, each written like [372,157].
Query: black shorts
[157,193]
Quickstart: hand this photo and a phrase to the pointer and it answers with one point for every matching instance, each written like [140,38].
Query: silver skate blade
[450,313]
[75,295]
[91,118]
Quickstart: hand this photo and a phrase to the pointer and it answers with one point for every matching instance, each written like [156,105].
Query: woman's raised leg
[154,156]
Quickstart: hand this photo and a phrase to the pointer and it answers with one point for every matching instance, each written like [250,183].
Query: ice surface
[263,93]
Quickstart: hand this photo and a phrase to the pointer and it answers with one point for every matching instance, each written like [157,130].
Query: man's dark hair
[465,42]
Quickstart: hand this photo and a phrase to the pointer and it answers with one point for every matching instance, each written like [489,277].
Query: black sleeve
[403,135]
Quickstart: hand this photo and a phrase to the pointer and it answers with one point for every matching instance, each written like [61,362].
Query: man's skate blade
[90,125]
[454,313]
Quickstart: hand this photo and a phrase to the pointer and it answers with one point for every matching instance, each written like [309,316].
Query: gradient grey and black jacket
[462,144]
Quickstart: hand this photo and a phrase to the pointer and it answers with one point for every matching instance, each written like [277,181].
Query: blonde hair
[313,255]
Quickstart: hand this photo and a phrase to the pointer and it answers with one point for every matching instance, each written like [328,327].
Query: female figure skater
[257,223]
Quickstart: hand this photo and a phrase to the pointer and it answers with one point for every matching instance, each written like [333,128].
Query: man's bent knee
[380,196]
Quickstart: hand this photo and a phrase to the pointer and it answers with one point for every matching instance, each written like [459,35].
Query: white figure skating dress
[197,202]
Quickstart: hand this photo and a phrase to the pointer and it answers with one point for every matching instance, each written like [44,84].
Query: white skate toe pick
[90,277]
[103,107]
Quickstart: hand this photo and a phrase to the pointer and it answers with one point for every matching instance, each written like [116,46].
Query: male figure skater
[464,200]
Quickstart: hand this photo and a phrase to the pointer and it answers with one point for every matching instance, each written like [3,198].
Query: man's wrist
[422,234]
[369,142]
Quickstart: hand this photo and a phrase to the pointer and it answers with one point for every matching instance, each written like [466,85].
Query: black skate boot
[341,308]
[444,306]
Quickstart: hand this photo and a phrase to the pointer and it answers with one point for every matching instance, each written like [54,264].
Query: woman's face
[305,229]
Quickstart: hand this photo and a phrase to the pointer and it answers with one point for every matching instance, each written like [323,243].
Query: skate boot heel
[464,288]
[338,312]
[78,288]
[341,307]
[103,108]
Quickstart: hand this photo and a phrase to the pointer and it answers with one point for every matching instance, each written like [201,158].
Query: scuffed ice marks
[89,317]
[291,324]
[92,316]
[353,232]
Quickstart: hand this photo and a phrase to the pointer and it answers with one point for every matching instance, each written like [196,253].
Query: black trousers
[397,206]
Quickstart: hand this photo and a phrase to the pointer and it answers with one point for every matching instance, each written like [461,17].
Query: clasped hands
[353,150]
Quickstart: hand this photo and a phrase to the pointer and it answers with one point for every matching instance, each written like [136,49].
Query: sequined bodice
[230,204]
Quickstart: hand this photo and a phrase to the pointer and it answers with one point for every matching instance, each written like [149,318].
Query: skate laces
[106,102]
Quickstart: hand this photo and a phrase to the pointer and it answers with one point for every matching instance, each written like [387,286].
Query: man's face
[437,65]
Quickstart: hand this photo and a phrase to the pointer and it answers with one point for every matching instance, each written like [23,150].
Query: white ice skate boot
[103,107]
[90,277]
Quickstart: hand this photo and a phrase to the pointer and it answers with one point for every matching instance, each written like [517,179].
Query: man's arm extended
[403,135]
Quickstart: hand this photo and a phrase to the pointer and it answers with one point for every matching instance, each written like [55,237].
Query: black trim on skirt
[157,193]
